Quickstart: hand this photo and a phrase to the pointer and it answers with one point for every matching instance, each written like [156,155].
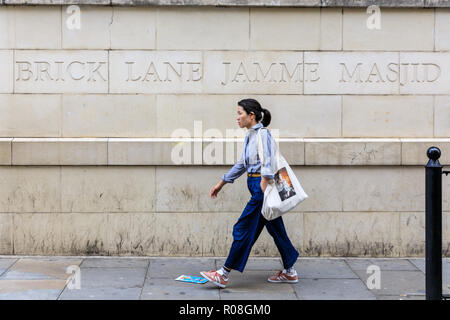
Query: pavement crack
[145,278]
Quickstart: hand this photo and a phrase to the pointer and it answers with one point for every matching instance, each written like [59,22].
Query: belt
[256,174]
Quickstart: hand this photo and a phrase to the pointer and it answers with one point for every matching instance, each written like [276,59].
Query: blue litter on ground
[191,279]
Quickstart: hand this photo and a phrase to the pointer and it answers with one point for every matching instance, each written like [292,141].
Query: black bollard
[433,225]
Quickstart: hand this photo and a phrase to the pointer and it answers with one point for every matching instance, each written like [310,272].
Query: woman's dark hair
[251,105]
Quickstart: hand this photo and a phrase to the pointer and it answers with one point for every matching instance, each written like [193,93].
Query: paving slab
[112,277]
[255,264]
[332,289]
[31,289]
[173,268]
[323,268]
[125,278]
[5,263]
[253,285]
[40,268]
[226,295]
[420,264]
[401,297]
[169,289]
[254,282]
[383,264]
[115,263]
[103,293]
[397,282]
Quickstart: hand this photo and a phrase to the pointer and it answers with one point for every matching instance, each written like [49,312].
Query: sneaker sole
[281,281]
[216,283]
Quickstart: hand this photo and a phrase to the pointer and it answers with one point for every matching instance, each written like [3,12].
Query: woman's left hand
[264,183]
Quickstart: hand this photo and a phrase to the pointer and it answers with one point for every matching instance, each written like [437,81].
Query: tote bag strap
[260,148]
[261,151]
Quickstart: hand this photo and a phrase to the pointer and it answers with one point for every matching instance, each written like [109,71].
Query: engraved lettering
[91,72]
[237,72]
[194,70]
[375,72]
[57,71]
[43,70]
[355,71]
[28,70]
[394,71]
[312,69]
[437,69]
[285,69]
[241,73]
[258,67]
[69,70]
[403,73]
[60,73]
[259,72]
[227,72]
[42,67]
[166,71]
[419,72]
[130,72]
[152,72]
[178,73]
[415,79]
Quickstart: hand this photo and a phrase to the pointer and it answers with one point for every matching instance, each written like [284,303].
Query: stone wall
[88,118]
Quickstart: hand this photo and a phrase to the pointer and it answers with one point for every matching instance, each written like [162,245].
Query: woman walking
[251,222]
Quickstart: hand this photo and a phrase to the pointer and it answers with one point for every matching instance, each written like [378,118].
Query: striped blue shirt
[249,160]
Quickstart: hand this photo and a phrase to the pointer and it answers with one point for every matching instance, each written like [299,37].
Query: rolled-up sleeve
[236,171]
[268,168]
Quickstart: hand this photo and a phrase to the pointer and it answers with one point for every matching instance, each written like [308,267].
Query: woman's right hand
[215,190]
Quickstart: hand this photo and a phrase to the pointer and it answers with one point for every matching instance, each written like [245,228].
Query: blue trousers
[249,226]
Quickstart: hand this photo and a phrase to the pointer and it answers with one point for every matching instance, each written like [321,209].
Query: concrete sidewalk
[38,277]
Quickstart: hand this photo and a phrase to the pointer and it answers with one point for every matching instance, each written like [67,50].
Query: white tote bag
[284,192]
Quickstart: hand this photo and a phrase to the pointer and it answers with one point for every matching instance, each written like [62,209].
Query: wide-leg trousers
[249,226]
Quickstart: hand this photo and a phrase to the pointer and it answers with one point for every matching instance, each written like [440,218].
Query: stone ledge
[5,151]
[158,151]
[59,151]
[244,3]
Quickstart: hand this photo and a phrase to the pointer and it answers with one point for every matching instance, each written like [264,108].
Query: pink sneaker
[283,276]
[215,278]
